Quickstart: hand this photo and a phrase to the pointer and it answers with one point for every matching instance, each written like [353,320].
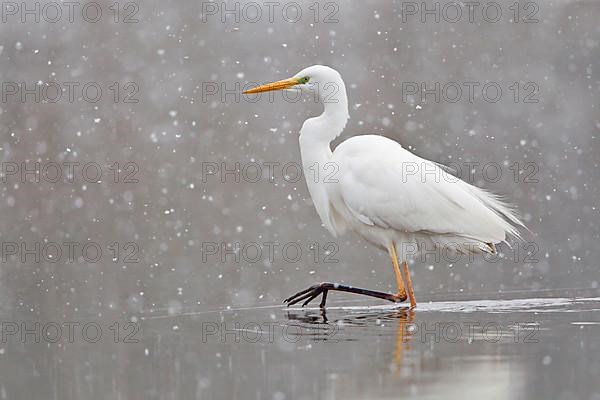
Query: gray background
[173,131]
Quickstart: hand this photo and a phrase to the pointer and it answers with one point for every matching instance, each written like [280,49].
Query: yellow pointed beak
[279,85]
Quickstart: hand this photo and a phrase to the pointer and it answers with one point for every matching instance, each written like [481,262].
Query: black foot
[322,288]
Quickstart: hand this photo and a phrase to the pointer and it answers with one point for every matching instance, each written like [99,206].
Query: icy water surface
[525,348]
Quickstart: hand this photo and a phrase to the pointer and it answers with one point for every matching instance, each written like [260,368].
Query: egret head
[320,79]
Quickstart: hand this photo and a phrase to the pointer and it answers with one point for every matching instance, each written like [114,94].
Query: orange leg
[401,290]
[411,293]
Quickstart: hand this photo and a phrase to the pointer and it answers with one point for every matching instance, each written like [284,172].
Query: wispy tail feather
[511,220]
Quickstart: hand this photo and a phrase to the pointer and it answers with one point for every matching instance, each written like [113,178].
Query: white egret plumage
[387,195]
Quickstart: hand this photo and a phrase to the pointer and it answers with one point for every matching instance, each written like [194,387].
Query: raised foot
[310,293]
[323,288]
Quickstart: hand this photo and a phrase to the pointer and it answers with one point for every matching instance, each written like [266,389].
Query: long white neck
[315,138]
[326,127]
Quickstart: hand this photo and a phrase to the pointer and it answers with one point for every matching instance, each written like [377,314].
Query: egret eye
[304,80]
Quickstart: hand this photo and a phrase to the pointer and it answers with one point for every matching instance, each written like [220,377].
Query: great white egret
[386,194]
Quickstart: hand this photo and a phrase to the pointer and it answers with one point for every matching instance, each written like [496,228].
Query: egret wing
[384,185]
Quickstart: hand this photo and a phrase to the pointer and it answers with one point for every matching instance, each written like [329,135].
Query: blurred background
[121,124]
